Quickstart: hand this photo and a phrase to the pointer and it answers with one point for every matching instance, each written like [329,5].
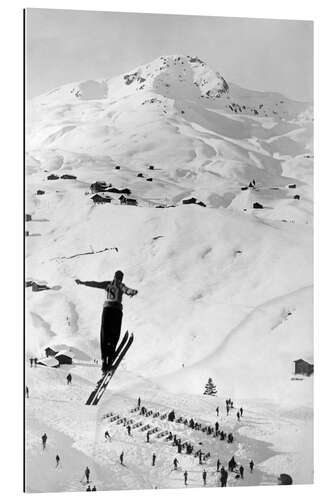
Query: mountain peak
[178,74]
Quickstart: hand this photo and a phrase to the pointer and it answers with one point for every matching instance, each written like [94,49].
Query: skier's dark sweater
[112,313]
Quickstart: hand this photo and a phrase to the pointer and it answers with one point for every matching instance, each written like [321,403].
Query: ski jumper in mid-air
[112,314]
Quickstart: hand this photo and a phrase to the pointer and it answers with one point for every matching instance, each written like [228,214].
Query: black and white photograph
[168,237]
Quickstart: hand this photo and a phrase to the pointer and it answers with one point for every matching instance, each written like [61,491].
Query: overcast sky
[64,46]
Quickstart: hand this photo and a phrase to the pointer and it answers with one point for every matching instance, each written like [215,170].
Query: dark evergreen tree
[210,388]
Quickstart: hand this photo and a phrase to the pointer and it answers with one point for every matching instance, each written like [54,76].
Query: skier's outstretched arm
[128,291]
[93,284]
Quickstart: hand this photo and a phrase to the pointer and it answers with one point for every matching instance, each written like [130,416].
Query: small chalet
[64,357]
[303,367]
[292,186]
[49,351]
[117,167]
[52,177]
[127,201]
[151,167]
[40,192]
[68,176]
[101,198]
[189,201]
[140,175]
[257,205]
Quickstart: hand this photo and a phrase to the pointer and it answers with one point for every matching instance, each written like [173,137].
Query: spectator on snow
[153,459]
[121,458]
[69,379]
[224,477]
[87,473]
[44,439]
[57,460]
[241,471]
[251,465]
[27,391]
[185,477]
[241,411]
[204,477]
[107,435]
[175,463]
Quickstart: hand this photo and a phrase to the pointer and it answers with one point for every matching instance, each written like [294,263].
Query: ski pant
[110,331]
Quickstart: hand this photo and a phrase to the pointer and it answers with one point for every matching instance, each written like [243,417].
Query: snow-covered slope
[219,272]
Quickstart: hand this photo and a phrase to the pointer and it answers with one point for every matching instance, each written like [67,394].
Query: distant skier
[69,379]
[204,477]
[241,471]
[241,411]
[27,391]
[185,477]
[129,430]
[107,436]
[87,473]
[217,411]
[112,314]
[57,460]
[93,488]
[121,458]
[139,402]
[175,463]
[238,416]
[251,465]
[218,464]
[31,362]
[153,460]
[44,439]
[88,488]
[147,436]
[228,409]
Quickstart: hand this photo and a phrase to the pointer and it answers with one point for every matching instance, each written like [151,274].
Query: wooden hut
[189,201]
[64,357]
[127,201]
[101,198]
[68,176]
[303,367]
[49,351]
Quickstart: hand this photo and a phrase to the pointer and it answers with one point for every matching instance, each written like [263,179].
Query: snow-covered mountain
[225,289]
[214,270]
